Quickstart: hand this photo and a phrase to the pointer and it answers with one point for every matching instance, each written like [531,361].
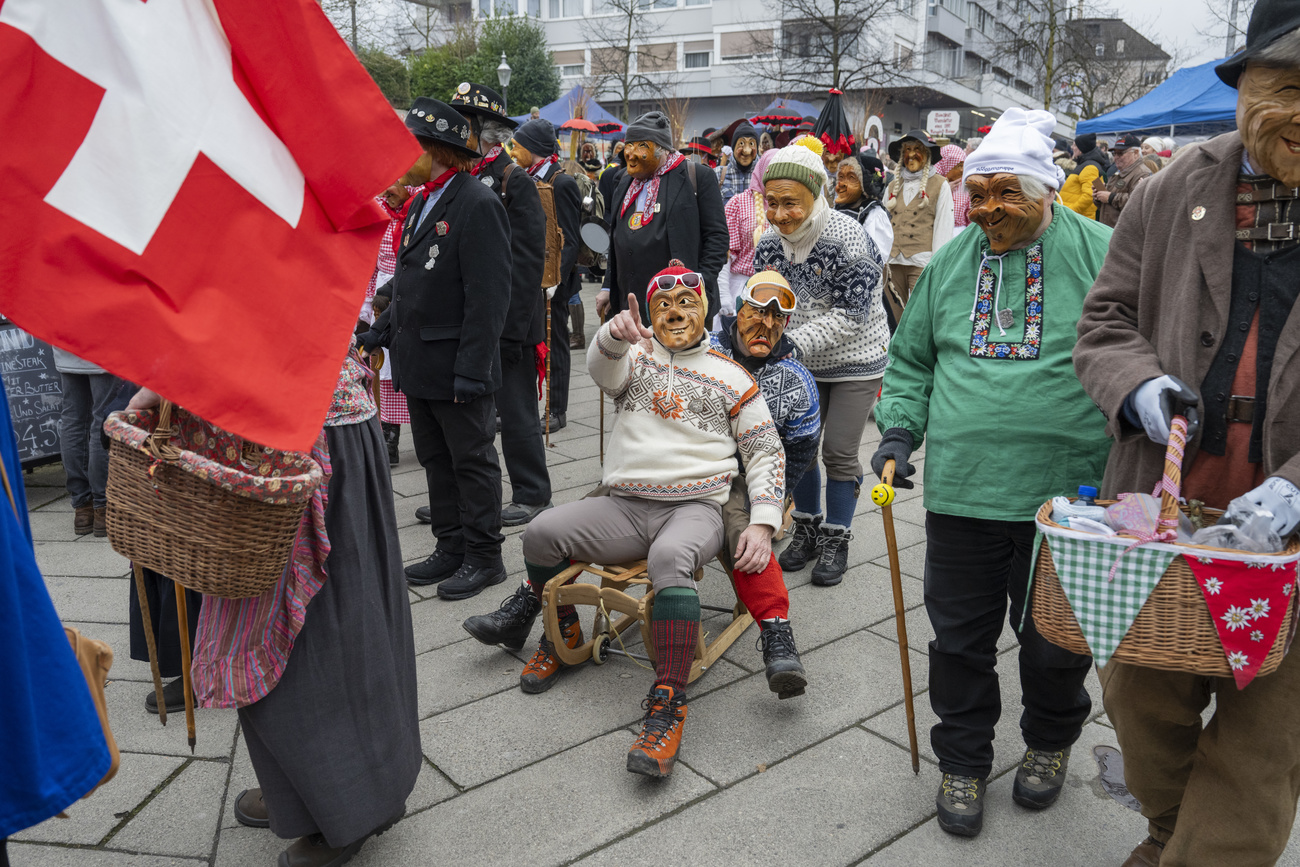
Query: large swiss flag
[186,197]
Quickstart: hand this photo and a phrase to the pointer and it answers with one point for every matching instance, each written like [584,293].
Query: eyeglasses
[690,280]
[765,294]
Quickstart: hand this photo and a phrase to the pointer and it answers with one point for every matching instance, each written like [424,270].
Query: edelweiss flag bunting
[187,197]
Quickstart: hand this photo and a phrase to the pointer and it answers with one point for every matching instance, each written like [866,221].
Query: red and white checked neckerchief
[537,166]
[635,189]
[491,155]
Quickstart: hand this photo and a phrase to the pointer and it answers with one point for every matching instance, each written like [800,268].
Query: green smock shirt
[1008,423]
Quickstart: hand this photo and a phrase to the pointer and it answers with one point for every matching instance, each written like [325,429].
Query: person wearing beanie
[685,414]
[858,184]
[734,175]
[535,151]
[920,205]
[1198,301]
[981,358]
[838,332]
[663,208]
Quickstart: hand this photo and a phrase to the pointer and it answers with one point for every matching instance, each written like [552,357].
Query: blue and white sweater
[839,325]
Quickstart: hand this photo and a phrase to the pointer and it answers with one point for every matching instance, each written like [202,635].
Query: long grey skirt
[336,744]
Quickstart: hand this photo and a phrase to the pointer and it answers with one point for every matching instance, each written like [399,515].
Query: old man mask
[1268,105]
[675,299]
[1010,218]
[762,313]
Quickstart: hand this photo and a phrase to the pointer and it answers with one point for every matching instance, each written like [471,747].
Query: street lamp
[503,76]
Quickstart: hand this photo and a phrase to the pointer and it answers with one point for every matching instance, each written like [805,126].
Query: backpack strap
[505,177]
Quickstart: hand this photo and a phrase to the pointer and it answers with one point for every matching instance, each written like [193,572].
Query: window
[907,7]
[572,63]
[980,19]
[697,59]
[566,8]
[664,4]
[657,58]
[1119,46]
[1101,49]
[506,7]
[608,61]
[744,44]
[698,2]
[535,8]
[903,54]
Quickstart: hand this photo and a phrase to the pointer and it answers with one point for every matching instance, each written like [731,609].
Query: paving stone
[138,731]
[1085,828]
[920,631]
[22,855]
[869,541]
[541,815]
[437,621]
[91,820]
[182,818]
[48,526]
[411,482]
[742,725]
[585,472]
[242,776]
[51,500]
[463,672]
[911,561]
[431,788]
[90,600]
[84,560]
[249,847]
[827,805]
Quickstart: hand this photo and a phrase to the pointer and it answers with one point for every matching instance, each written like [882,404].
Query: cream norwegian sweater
[682,418]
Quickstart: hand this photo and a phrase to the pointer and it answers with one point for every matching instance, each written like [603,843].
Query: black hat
[1085,142]
[1271,20]
[699,145]
[745,130]
[483,101]
[538,136]
[1124,142]
[652,127]
[438,122]
[918,135]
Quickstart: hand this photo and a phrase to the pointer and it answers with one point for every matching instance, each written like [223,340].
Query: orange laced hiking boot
[655,752]
[542,670]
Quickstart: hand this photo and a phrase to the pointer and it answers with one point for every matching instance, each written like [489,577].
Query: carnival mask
[788,204]
[418,173]
[760,321]
[677,316]
[745,151]
[848,186]
[396,195]
[832,163]
[914,156]
[1010,219]
[643,159]
[1268,115]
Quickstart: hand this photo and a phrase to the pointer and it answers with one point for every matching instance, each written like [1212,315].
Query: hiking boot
[424,514]
[832,555]
[785,674]
[1040,777]
[544,668]
[100,525]
[313,851]
[250,809]
[558,421]
[439,566]
[83,520]
[173,697]
[1146,854]
[510,624]
[392,436]
[516,514]
[655,752]
[803,542]
[961,805]
[471,580]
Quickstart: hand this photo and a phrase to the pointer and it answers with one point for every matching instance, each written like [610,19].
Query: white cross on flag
[187,197]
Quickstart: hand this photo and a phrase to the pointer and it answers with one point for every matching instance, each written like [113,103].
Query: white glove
[550,291]
[1281,499]
[726,149]
[1154,404]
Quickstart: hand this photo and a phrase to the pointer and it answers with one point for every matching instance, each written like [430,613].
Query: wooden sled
[617,611]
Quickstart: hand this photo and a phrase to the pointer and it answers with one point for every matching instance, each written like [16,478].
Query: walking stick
[602,417]
[183,615]
[883,496]
[149,641]
[548,374]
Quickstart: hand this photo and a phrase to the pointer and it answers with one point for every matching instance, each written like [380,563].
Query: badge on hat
[441,125]
[463,89]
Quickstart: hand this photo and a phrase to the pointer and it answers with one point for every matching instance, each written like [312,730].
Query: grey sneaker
[961,805]
[519,513]
[1040,777]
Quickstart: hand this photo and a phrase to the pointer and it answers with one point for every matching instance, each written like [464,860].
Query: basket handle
[159,443]
[1171,481]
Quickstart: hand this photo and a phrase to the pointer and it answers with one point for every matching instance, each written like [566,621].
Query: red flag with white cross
[187,197]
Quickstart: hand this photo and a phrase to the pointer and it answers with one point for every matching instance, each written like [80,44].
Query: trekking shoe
[803,543]
[471,580]
[558,421]
[173,697]
[424,515]
[100,525]
[543,669]
[521,513]
[1040,777]
[961,805]
[250,809]
[83,520]
[439,565]
[510,624]
[655,752]
[1145,854]
[832,555]
[392,436]
[785,674]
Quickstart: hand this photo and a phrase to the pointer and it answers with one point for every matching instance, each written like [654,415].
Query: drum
[595,235]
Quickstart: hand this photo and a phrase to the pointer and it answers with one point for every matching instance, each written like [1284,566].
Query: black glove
[467,389]
[895,445]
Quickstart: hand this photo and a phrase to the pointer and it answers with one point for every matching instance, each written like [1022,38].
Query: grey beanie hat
[652,126]
[538,136]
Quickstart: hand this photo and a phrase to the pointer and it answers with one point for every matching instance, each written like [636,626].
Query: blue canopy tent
[563,109]
[1193,100]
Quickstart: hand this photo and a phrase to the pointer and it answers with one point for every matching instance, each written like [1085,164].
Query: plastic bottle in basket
[1244,526]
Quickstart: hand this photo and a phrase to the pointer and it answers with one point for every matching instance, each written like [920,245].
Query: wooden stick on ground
[182,614]
[147,620]
[900,615]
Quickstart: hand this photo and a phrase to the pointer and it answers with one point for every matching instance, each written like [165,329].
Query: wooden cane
[183,616]
[149,641]
[602,417]
[548,373]
[377,364]
[900,616]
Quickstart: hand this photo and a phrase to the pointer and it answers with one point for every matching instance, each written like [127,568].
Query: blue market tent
[1193,99]
[563,108]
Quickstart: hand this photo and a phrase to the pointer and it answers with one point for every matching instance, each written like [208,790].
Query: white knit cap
[1020,143]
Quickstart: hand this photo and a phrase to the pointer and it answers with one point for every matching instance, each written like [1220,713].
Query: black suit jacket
[446,320]
[525,321]
[697,235]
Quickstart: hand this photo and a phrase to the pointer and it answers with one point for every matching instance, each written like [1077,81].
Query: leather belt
[1271,193]
[1241,408]
[1269,232]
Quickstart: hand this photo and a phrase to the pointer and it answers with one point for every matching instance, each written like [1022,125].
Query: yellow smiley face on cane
[882,494]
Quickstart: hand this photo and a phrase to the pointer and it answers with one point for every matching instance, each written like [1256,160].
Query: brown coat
[1121,186]
[1160,305]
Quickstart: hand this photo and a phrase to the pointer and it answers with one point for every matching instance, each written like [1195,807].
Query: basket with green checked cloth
[1149,601]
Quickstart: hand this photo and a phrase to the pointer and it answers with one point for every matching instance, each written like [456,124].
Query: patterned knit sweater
[839,324]
[682,419]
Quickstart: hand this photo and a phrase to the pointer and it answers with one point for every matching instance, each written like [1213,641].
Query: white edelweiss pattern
[1236,617]
[1213,586]
[1286,589]
[1256,635]
[1258,608]
[1238,660]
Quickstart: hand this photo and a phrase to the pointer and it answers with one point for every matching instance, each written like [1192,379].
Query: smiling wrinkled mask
[998,205]
[677,317]
[1268,115]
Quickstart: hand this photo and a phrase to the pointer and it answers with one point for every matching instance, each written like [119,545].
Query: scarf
[799,243]
[491,155]
[637,185]
[428,188]
[538,165]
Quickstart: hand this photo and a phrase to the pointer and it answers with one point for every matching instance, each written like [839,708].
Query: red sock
[675,642]
[763,593]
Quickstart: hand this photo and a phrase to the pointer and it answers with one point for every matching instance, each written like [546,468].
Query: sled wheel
[599,646]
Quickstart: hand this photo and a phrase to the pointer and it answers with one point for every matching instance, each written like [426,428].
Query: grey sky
[1174,25]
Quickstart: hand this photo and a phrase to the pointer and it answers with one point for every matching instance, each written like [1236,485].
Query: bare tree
[820,44]
[626,63]
[1227,23]
[676,108]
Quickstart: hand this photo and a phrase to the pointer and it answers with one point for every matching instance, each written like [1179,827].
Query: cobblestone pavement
[514,779]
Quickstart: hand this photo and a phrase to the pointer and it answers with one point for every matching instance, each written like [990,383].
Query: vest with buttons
[914,221]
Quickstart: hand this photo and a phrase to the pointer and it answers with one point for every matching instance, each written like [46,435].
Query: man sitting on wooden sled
[685,411]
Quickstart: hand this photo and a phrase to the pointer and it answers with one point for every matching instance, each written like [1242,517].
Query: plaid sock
[763,593]
[539,575]
[676,630]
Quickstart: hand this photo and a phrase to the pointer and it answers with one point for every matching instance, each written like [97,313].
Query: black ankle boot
[785,673]
[510,624]
[577,326]
[803,543]
[832,555]
[392,434]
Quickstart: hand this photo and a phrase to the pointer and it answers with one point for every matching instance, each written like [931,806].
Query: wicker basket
[219,521]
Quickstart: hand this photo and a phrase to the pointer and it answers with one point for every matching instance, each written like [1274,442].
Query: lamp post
[503,76]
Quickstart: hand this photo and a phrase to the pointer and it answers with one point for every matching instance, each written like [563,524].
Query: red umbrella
[579,123]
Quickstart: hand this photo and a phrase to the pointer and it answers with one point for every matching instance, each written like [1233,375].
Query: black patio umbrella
[832,127]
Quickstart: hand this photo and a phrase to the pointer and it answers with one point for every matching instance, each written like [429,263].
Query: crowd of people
[1033,310]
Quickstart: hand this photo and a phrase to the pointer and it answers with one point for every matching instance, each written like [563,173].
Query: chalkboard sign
[35,392]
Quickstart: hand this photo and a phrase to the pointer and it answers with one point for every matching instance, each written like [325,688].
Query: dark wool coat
[568,211]
[1160,305]
[526,319]
[448,320]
